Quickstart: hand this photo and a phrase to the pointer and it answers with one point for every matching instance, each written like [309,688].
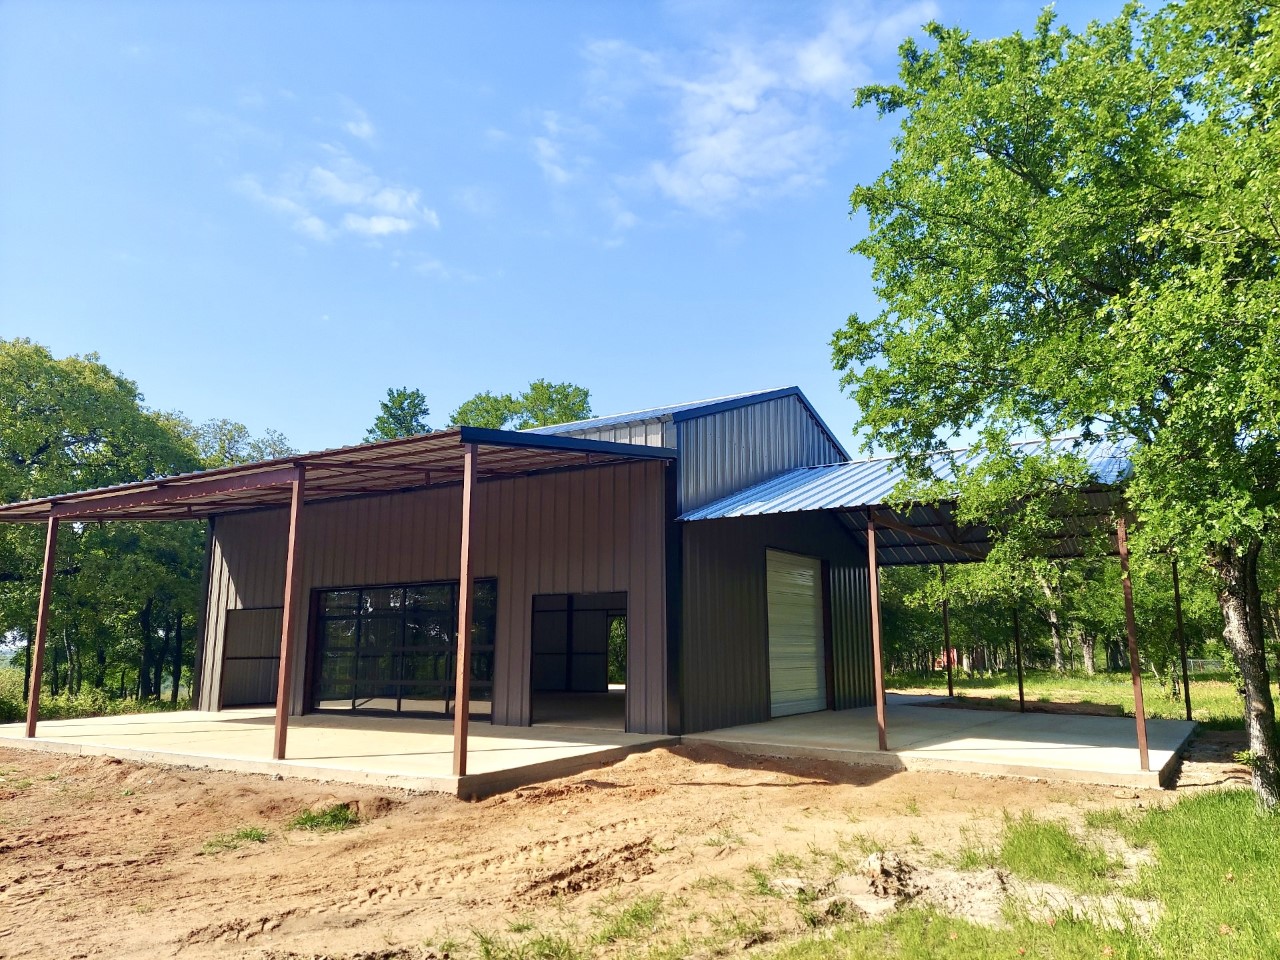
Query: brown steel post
[873,576]
[946,631]
[1131,627]
[1182,637]
[284,688]
[466,582]
[42,625]
[1017,656]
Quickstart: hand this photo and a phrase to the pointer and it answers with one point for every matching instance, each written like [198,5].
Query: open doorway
[578,672]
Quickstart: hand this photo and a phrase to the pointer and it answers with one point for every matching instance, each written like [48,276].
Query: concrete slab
[1101,750]
[385,751]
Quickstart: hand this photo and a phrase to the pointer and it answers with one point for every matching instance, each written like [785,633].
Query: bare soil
[103,858]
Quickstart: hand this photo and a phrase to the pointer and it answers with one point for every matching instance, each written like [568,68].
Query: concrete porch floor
[1101,750]
[413,754]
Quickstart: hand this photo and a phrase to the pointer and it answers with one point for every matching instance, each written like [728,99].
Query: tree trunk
[100,675]
[26,672]
[71,662]
[1052,601]
[1241,603]
[160,658]
[1087,641]
[177,659]
[144,662]
[53,683]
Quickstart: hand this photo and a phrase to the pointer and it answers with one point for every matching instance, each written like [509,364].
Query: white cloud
[339,196]
[358,123]
[558,151]
[747,116]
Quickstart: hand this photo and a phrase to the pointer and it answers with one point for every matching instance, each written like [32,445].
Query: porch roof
[389,466]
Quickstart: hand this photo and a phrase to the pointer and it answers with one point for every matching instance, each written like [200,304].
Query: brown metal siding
[593,530]
[725,638]
[727,451]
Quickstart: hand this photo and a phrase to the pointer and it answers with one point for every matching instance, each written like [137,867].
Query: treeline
[126,596]
[1069,615]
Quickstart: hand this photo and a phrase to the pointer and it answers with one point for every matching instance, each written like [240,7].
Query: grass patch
[233,841]
[1215,700]
[541,947]
[1042,850]
[330,819]
[636,921]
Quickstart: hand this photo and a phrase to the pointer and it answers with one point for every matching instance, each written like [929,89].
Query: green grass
[330,819]
[638,920]
[233,841]
[1049,852]
[89,702]
[1215,702]
[1215,874]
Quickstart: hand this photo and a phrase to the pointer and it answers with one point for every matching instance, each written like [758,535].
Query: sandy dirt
[103,858]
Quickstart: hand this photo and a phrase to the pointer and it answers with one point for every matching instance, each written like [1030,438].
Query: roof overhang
[390,466]
[861,490]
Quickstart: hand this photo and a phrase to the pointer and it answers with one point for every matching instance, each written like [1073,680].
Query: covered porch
[924,735]
[410,754]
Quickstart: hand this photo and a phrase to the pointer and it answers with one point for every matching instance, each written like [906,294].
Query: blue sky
[274,211]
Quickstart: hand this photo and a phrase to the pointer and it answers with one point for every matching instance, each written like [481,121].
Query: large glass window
[394,649]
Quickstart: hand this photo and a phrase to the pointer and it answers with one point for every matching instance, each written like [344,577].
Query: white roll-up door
[797,658]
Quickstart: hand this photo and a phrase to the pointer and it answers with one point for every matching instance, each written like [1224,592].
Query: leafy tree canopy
[402,414]
[542,404]
[1077,233]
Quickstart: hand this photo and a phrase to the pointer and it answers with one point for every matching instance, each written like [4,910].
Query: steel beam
[890,524]
[176,492]
[1131,627]
[466,583]
[42,625]
[873,576]
[284,687]
[946,631]
[1182,637]
[1017,656]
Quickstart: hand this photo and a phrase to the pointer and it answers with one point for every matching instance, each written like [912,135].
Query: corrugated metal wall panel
[530,535]
[727,451]
[649,433]
[725,660]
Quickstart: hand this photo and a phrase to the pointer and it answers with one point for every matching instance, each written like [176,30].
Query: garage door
[797,656]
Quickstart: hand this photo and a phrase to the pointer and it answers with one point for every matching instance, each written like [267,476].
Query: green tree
[542,404]
[402,414]
[70,424]
[1077,232]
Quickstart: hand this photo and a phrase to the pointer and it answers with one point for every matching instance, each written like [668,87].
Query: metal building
[335,581]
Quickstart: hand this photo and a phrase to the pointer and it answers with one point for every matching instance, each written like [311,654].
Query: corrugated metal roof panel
[867,483]
[688,411]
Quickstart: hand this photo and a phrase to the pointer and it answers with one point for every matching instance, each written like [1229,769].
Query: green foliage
[402,414]
[125,594]
[542,404]
[618,650]
[337,817]
[1076,233]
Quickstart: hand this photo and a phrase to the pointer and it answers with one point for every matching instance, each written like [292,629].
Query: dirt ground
[103,858]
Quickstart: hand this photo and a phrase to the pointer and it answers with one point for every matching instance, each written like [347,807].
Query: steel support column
[1131,627]
[1182,638]
[946,631]
[466,582]
[1017,656]
[42,625]
[289,619]
[873,577]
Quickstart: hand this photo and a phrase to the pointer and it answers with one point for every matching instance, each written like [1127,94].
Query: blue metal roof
[867,483]
[678,412]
